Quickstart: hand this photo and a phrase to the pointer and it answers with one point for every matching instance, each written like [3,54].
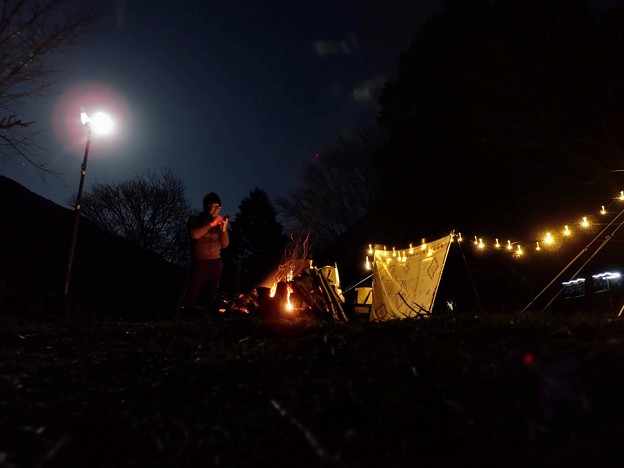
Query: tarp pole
[572,262]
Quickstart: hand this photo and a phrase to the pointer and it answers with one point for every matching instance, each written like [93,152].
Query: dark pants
[202,284]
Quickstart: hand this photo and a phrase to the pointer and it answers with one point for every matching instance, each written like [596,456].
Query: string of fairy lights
[548,240]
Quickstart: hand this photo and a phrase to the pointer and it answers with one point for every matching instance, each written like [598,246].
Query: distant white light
[607,275]
[574,281]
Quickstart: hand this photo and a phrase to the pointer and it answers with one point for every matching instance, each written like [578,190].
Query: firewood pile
[312,291]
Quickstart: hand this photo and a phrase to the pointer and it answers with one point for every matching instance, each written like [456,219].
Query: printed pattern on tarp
[405,282]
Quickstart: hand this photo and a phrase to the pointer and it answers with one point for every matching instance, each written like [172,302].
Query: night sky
[231,95]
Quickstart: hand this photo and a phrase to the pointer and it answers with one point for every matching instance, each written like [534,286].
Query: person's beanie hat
[212,198]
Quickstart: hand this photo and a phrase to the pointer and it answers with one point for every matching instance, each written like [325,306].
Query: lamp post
[100,124]
[86,121]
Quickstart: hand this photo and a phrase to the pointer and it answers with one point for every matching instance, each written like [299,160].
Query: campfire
[298,288]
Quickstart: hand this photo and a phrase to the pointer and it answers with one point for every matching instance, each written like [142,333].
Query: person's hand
[224,222]
[216,221]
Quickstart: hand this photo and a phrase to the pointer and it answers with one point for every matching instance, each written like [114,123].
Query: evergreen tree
[256,244]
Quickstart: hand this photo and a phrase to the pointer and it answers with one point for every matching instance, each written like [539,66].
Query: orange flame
[289,307]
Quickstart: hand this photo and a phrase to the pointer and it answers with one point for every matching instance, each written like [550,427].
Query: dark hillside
[112,277]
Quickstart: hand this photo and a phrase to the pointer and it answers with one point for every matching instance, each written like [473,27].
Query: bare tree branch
[336,190]
[31,31]
[150,209]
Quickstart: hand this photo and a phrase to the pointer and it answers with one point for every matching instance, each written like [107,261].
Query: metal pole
[604,242]
[584,250]
[72,248]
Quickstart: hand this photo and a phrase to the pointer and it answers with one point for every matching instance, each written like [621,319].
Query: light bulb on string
[509,247]
[497,244]
[537,246]
[367,264]
[566,230]
[370,249]
[584,222]
[481,245]
[549,239]
[622,195]
[602,210]
[411,249]
[519,251]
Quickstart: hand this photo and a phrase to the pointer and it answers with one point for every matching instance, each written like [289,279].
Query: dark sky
[230,94]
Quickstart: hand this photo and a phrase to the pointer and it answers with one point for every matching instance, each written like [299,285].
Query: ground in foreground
[232,391]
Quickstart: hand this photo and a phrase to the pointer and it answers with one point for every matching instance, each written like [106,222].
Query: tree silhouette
[256,243]
[336,190]
[150,209]
[30,32]
[503,108]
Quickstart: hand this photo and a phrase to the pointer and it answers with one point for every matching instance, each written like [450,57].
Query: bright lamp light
[101,123]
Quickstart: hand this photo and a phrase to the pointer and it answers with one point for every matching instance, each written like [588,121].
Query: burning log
[312,292]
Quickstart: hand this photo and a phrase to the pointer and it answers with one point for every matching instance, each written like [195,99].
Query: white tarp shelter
[405,282]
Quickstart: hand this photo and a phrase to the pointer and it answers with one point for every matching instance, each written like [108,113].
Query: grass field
[232,390]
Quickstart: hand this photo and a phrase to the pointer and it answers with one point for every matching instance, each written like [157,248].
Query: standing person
[208,232]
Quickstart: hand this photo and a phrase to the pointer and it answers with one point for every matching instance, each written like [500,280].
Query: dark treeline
[501,113]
